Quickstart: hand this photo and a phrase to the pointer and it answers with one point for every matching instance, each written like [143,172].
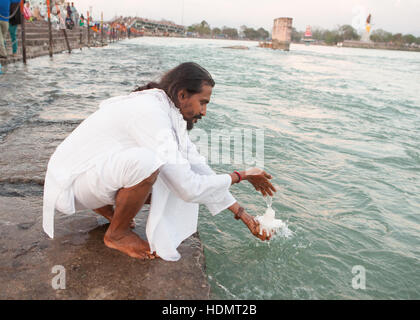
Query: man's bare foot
[130,244]
[108,212]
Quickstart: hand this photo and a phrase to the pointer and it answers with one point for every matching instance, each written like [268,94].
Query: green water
[342,140]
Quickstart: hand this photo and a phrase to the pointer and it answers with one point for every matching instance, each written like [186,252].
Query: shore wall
[37,40]
[376,45]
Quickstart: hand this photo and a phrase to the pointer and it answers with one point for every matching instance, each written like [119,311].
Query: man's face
[194,107]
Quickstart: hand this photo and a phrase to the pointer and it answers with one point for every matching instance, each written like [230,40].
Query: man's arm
[151,131]
[199,165]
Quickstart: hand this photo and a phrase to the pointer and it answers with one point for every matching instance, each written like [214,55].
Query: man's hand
[254,226]
[260,180]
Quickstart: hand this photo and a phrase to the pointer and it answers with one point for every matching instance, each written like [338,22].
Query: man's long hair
[189,76]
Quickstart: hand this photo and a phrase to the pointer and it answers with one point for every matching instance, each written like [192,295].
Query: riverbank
[37,40]
[364,45]
[376,45]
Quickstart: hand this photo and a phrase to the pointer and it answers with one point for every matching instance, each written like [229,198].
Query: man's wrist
[243,175]
[238,214]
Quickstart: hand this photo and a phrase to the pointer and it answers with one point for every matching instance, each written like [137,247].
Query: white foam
[270,224]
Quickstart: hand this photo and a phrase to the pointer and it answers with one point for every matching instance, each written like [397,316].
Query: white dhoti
[98,186]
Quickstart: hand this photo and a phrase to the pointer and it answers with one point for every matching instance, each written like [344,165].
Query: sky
[391,15]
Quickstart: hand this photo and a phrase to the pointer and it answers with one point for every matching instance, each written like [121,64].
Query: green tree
[231,33]
[409,38]
[251,33]
[318,34]
[397,38]
[296,35]
[263,34]
[332,37]
[380,35]
[347,32]
[204,28]
[216,31]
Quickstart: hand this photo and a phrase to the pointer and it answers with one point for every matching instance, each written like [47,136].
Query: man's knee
[152,178]
[137,163]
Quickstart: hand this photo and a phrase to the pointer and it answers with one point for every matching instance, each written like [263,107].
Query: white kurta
[150,120]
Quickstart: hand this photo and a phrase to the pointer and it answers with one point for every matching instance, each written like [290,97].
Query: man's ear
[182,94]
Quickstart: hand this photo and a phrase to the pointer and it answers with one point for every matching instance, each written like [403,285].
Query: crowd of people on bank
[63,16]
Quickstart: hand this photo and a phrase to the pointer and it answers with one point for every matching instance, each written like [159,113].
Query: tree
[331,37]
[409,38]
[264,34]
[204,24]
[216,31]
[317,33]
[202,28]
[296,35]
[381,36]
[230,32]
[347,32]
[251,34]
[397,38]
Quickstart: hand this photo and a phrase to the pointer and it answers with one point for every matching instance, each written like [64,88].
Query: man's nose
[203,110]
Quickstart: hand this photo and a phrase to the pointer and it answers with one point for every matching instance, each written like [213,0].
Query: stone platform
[92,270]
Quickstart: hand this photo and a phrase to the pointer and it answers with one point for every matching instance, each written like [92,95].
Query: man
[137,144]
[13,24]
[75,14]
[4,26]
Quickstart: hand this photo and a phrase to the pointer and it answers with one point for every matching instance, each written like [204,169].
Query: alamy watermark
[58,281]
[359,280]
[237,146]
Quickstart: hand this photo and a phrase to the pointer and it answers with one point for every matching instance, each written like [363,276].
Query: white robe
[142,119]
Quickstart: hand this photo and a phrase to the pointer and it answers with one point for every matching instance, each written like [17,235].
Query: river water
[341,138]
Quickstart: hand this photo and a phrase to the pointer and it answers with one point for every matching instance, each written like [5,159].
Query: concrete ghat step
[29,260]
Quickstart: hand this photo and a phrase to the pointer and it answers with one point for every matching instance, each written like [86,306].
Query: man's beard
[190,123]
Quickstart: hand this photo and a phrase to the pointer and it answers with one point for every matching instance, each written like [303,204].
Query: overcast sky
[392,15]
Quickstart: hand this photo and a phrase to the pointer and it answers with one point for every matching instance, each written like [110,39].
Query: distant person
[82,20]
[27,13]
[4,26]
[36,13]
[69,12]
[74,14]
[69,22]
[138,141]
[61,23]
[13,24]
